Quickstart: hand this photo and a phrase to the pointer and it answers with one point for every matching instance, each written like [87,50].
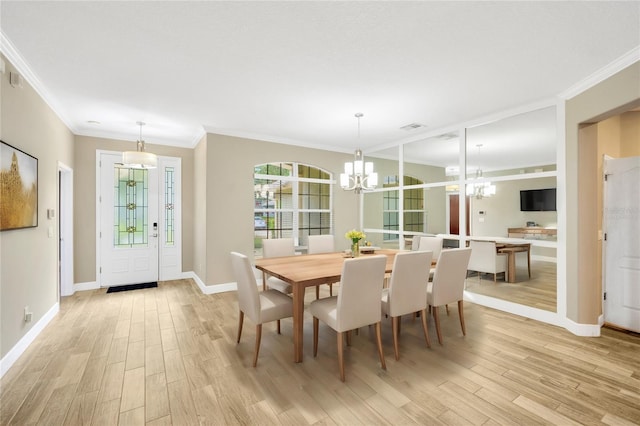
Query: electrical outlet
[28,315]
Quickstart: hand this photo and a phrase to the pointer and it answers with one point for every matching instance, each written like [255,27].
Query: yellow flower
[354,235]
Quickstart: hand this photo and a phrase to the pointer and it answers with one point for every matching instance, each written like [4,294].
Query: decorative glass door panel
[129,225]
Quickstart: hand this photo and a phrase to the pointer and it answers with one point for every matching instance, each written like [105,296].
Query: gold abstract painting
[18,188]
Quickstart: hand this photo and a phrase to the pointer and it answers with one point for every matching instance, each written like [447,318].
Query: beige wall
[84,204]
[229,193]
[610,97]
[502,211]
[29,267]
[630,134]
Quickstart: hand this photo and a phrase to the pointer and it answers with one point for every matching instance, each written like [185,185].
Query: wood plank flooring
[167,356]
[539,291]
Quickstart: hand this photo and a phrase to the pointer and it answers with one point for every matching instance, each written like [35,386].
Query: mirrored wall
[509,171]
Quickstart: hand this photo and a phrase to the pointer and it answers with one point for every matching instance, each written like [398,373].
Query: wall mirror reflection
[510,188]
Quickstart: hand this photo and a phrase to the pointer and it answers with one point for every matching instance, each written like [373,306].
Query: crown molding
[275,139]
[11,53]
[602,74]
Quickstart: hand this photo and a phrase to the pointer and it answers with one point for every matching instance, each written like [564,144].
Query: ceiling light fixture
[358,176]
[139,159]
[481,189]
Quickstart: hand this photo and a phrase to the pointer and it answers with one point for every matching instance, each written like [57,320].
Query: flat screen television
[538,200]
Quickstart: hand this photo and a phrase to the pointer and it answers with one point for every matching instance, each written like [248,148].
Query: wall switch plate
[28,315]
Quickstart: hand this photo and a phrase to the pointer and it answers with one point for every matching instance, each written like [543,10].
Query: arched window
[291,200]
[413,207]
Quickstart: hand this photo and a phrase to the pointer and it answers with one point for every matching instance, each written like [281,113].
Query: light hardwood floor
[539,291]
[168,356]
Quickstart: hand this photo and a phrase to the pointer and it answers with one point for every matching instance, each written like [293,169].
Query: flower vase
[355,248]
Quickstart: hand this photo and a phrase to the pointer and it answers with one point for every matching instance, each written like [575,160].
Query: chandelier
[480,190]
[139,159]
[358,175]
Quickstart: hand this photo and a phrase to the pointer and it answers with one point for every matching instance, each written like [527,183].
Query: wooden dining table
[308,271]
[511,250]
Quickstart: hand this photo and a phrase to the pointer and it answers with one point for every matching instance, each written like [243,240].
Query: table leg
[298,321]
[512,266]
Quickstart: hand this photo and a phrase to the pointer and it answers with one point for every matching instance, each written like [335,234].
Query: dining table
[511,250]
[310,270]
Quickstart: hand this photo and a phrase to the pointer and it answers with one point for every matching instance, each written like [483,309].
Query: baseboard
[12,356]
[210,289]
[586,330]
[206,289]
[515,308]
[544,258]
[86,286]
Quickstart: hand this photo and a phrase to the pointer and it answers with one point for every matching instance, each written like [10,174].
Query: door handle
[154,235]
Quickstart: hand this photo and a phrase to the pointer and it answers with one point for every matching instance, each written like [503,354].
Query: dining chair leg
[278,322]
[424,328]
[240,321]
[437,320]
[340,343]
[331,289]
[316,321]
[495,278]
[379,341]
[461,315]
[447,309]
[317,292]
[349,338]
[394,327]
[258,337]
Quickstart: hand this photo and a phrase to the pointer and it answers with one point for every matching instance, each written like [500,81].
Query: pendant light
[139,159]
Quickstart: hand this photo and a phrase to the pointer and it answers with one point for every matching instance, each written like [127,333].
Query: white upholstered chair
[277,247]
[407,290]
[357,304]
[485,259]
[260,307]
[434,245]
[321,244]
[448,284]
[415,242]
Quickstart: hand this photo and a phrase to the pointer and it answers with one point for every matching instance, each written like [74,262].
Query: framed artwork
[18,188]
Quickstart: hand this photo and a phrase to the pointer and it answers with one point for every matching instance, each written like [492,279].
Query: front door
[128,217]
[622,249]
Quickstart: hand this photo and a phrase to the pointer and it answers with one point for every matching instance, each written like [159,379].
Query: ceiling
[297,72]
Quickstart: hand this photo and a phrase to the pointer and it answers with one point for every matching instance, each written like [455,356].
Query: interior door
[622,245]
[454,214]
[128,223]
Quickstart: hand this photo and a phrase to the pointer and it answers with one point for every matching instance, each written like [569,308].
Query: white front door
[128,223]
[622,245]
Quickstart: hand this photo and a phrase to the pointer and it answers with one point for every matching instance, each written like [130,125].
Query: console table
[533,231]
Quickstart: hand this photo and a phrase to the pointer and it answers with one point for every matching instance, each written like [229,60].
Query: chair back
[483,256]
[449,276]
[320,244]
[278,247]
[248,297]
[408,283]
[432,244]
[415,242]
[359,296]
